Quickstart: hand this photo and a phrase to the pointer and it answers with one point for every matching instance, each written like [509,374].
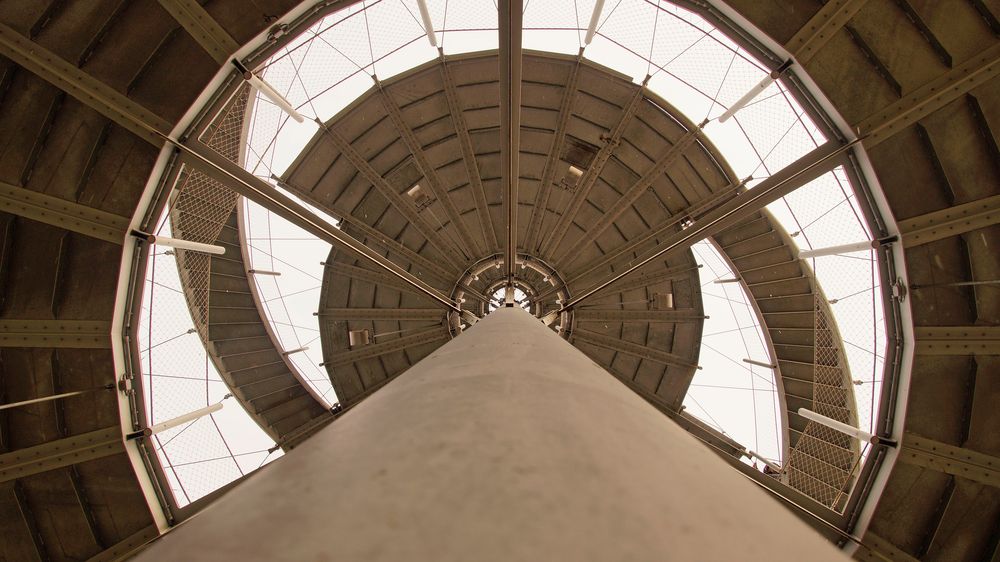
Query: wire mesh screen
[822,462]
[225,134]
[199,214]
[203,206]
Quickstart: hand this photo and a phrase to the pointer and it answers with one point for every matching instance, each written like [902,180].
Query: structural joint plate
[82,86]
[92,334]
[958,340]
[915,106]
[950,222]
[958,461]
[62,213]
[830,19]
[60,453]
[203,28]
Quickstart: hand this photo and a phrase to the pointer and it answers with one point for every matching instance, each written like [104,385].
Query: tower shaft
[507,443]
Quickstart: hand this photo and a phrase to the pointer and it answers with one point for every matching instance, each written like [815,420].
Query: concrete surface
[505,444]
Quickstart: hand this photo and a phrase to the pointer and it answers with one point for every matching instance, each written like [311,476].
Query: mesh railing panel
[225,134]
[203,207]
[822,462]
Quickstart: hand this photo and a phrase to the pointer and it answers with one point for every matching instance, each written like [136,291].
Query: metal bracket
[899,289]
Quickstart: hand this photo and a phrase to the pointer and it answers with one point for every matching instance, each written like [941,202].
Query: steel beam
[875,548]
[468,156]
[433,334]
[378,239]
[631,195]
[822,27]
[370,276]
[797,174]
[957,340]
[637,282]
[300,434]
[932,96]
[365,314]
[82,334]
[950,221]
[467,243]
[629,348]
[61,453]
[243,182]
[203,28]
[387,191]
[626,315]
[105,100]
[648,278]
[593,172]
[957,461]
[62,213]
[510,124]
[662,230]
[538,210]
[128,545]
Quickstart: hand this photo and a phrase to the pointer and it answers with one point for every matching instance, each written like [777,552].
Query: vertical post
[511,14]
[507,443]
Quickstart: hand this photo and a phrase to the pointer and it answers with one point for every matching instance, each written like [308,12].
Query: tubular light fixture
[357,338]
[421,200]
[760,364]
[844,428]
[180,244]
[54,397]
[750,453]
[572,177]
[663,301]
[842,249]
[179,420]
[594,20]
[428,26]
[264,272]
[846,248]
[754,92]
[268,91]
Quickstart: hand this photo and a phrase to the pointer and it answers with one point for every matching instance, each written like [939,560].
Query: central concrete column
[507,443]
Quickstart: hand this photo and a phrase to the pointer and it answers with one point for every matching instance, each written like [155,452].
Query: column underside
[505,443]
